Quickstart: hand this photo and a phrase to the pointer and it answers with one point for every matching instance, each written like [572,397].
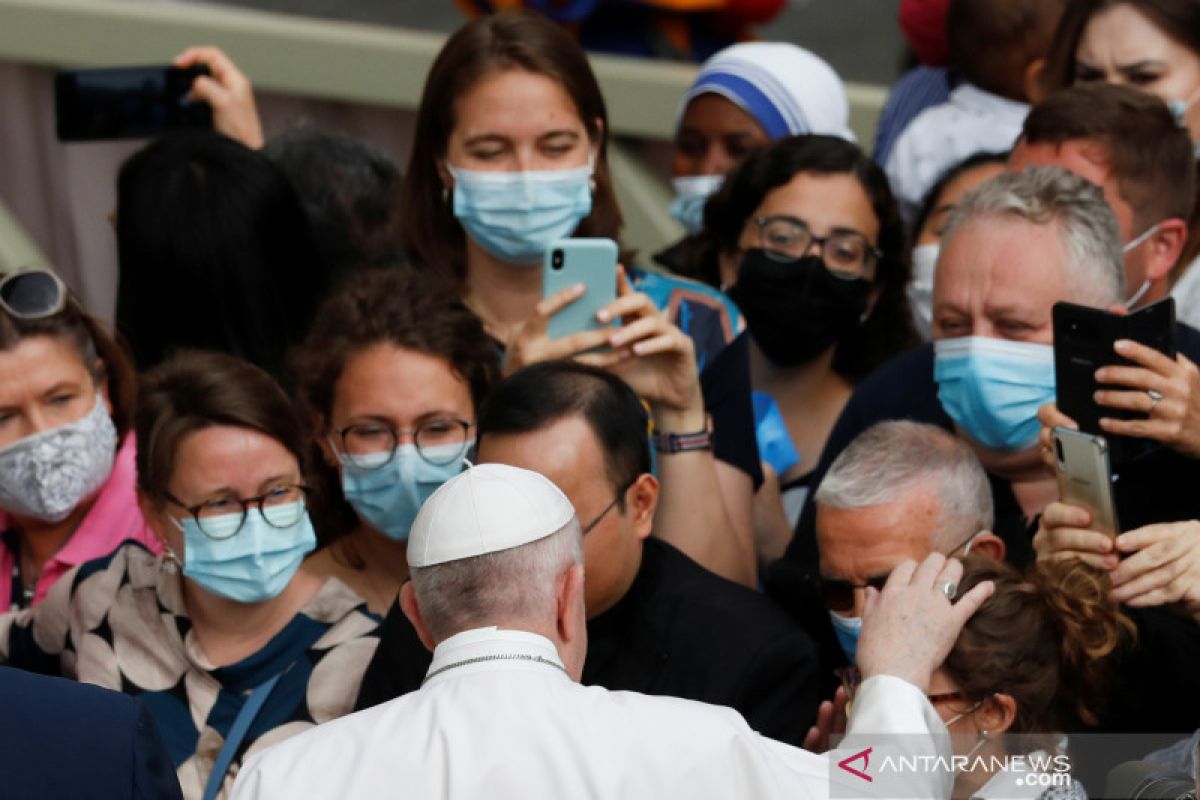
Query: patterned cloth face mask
[45,475]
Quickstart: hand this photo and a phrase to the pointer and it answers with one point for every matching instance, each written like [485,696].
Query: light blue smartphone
[592,262]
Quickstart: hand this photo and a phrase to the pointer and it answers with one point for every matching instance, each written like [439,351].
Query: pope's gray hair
[891,459]
[504,588]
[1088,230]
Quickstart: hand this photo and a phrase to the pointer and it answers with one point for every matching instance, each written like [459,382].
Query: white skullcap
[487,508]
[787,89]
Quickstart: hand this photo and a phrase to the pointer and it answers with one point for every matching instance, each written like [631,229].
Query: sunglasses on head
[838,594]
[32,294]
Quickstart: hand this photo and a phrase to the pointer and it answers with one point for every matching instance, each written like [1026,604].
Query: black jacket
[679,631]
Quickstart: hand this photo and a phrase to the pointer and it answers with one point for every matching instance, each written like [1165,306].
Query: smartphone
[1085,477]
[127,103]
[1083,342]
[592,262]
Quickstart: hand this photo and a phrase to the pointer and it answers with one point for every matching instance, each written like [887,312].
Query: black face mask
[796,310]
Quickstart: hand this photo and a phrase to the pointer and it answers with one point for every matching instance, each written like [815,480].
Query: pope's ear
[412,610]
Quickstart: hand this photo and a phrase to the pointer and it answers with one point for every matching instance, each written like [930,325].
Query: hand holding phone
[1084,340]
[591,263]
[1085,477]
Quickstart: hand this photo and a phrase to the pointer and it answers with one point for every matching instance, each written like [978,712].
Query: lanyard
[237,733]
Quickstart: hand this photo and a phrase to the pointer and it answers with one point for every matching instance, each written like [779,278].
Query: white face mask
[920,287]
[47,474]
[691,193]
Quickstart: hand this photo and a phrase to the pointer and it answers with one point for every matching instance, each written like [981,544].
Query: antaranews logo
[865,757]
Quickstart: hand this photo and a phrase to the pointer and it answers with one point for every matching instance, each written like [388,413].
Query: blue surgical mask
[1179,109]
[388,494]
[252,565]
[691,193]
[516,215]
[993,388]
[847,630]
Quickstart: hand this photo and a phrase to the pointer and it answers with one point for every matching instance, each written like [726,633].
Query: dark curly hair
[889,328]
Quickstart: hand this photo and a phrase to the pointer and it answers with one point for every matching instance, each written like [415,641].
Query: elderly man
[497,591]
[900,491]
[658,622]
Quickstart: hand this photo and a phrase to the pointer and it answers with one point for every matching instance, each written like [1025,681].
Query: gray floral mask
[46,474]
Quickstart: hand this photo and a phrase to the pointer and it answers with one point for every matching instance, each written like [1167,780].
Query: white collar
[484,646]
[974,100]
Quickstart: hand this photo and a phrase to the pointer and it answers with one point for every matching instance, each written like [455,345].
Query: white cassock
[498,717]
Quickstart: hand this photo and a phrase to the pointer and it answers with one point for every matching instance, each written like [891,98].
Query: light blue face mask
[516,215]
[993,388]
[847,630]
[691,193]
[1179,109]
[388,495]
[252,565]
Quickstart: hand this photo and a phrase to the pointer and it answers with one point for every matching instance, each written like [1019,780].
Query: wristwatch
[665,442]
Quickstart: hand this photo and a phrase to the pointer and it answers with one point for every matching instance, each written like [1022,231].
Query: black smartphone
[1083,342]
[127,103]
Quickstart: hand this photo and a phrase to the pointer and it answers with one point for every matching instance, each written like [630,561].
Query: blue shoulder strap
[237,733]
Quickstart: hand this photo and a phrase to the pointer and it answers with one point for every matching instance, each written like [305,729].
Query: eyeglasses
[596,521]
[851,678]
[372,445]
[281,507]
[846,254]
[32,294]
[838,594]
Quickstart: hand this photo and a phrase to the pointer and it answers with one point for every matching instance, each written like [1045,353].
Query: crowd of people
[343,519]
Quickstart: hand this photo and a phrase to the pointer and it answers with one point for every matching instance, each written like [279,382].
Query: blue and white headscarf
[787,89]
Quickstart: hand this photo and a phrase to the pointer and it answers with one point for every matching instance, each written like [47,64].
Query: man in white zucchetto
[497,594]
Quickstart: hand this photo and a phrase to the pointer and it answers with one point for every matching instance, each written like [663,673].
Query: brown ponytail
[1045,639]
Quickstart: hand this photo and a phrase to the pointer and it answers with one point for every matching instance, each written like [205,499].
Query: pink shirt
[114,518]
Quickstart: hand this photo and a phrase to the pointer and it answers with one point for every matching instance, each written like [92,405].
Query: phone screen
[127,103]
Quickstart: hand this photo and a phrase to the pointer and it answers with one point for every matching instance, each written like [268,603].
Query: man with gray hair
[1014,247]
[497,593]
[901,490]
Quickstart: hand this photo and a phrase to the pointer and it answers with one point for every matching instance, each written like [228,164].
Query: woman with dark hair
[214,253]
[225,640]
[391,376]
[1152,46]
[509,155]
[806,237]
[66,453]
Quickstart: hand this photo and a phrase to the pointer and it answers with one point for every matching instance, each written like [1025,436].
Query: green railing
[350,63]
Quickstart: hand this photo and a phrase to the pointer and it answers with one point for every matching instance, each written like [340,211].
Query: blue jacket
[61,739]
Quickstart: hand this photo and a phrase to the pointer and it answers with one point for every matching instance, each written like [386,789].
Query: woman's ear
[997,714]
[320,431]
[156,519]
[102,384]
[729,261]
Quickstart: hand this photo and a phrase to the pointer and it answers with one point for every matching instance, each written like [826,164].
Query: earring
[170,562]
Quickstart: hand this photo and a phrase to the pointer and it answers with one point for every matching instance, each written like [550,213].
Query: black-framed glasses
[32,294]
[846,254]
[222,517]
[838,594]
[372,445]
[596,520]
